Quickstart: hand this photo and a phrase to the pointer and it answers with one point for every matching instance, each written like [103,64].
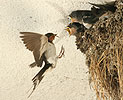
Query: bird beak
[56,35]
[68,30]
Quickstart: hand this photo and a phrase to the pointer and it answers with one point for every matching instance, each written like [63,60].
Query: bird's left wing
[37,43]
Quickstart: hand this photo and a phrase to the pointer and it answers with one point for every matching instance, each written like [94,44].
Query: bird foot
[61,52]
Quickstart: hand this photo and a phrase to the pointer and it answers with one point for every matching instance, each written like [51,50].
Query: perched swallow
[43,50]
[77,16]
[75,27]
[90,17]
[85,17]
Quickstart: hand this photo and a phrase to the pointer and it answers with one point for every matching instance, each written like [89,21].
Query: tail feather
[106,5]
[35,84]
[109,6]
[39,76]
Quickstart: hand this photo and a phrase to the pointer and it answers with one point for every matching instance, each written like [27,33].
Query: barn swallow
[85,17]
[77,16]
[75,27]
[43,50]
[90,17]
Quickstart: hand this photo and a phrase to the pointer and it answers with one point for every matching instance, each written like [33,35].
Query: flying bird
[43,50]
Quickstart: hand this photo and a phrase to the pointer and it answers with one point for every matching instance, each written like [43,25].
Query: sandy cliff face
[69,80]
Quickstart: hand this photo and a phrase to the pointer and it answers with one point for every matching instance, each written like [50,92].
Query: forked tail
[39,76]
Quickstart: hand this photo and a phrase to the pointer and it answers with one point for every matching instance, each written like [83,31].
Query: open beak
[68,30]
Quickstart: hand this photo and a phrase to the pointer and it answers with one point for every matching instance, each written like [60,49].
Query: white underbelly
[87,25]
[51,54]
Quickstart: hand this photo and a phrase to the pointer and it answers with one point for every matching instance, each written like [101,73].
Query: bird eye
[69,19]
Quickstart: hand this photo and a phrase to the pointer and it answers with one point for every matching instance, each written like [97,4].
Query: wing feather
[37,43]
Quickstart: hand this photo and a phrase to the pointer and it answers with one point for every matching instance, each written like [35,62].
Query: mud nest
[103,46]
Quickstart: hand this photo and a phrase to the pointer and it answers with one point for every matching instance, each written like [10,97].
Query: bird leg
[61,52]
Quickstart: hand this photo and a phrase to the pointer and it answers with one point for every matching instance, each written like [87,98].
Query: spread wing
[37,43]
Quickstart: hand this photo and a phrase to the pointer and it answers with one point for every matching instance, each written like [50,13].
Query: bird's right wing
[37,43]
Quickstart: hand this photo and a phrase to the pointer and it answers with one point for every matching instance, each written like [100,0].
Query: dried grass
[103,46]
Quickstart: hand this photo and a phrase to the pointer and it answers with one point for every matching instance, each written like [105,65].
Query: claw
[61,52]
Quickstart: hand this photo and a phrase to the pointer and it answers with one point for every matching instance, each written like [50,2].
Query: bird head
[72,28]
[50,36]
[77,15]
